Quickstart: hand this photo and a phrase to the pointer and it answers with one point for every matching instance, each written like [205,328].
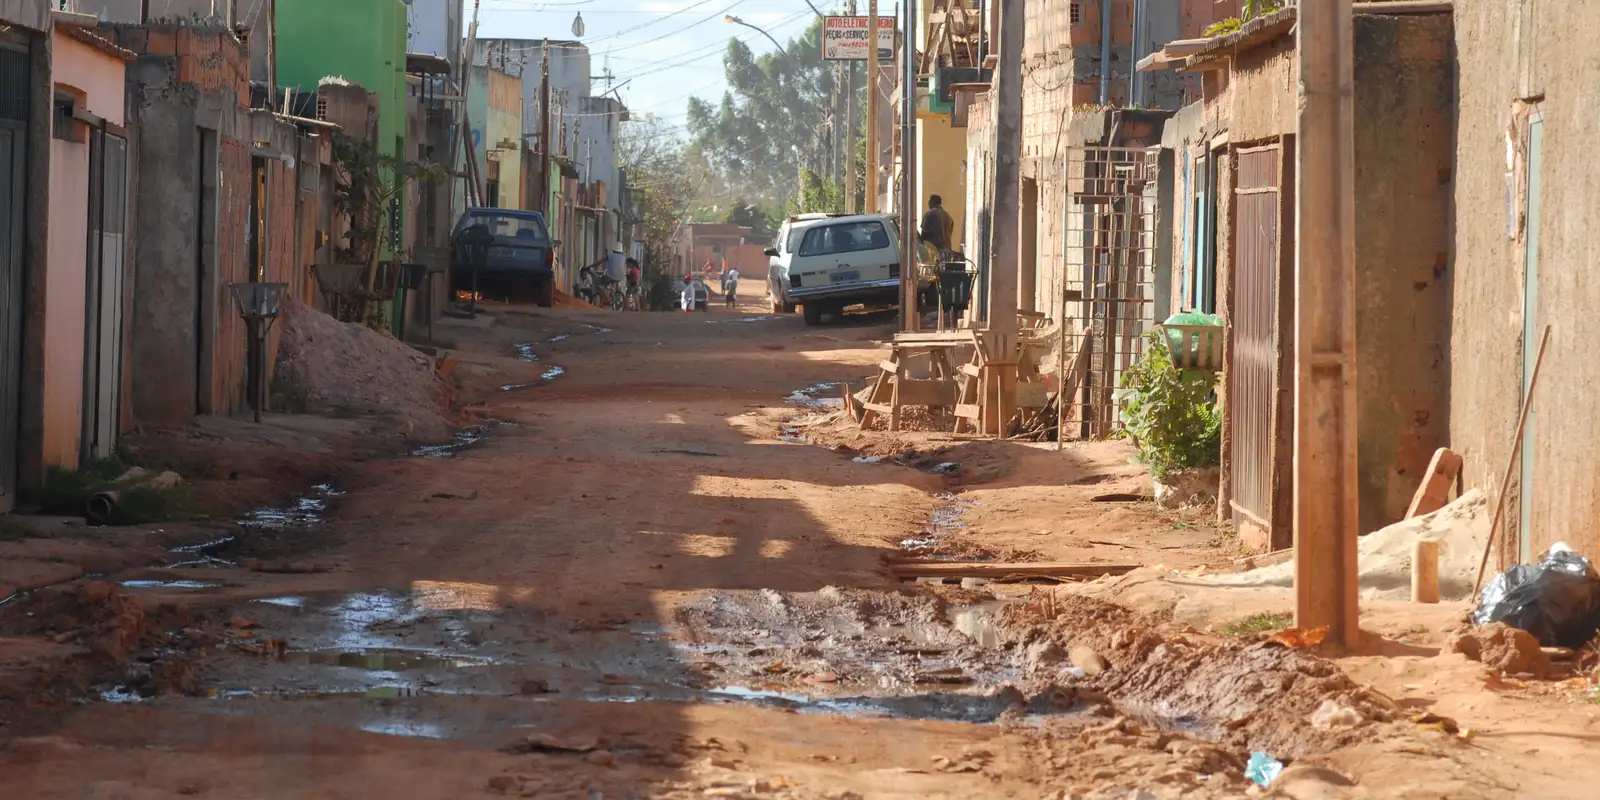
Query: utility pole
[850,129]
[908,167]
[1326,505]
[464,123]
[872,107]
[1000,382]
[544,133]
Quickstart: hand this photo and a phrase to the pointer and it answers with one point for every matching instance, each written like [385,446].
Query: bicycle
[616,299]
[630,298]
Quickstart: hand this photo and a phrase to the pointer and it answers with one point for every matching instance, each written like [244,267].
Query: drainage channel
[550,373]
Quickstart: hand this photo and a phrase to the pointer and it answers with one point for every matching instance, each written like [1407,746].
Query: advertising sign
[845,38]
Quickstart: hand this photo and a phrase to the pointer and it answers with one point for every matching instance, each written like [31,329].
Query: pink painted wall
[97,80]
[98,77]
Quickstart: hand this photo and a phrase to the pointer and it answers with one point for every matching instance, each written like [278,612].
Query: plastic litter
[868,459]
[1556,600]
[1334,714]
[946,468]
[1263,769]
[1075,672]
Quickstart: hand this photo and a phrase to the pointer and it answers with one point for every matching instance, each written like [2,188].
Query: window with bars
[1075,12]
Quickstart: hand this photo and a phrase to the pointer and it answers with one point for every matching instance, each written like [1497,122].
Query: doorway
[14,115]
[102,365]
[204,256]
[1028,248]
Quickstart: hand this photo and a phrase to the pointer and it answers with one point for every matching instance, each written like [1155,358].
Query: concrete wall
[434,28]
[1404,180]
[504,109]
[1517,60]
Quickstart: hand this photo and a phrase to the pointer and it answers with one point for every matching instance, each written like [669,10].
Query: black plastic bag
[1557,600]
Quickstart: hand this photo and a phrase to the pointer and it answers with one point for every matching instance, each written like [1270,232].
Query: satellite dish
[577,24]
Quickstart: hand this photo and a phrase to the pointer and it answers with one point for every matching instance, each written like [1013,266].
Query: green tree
[665,180]
[752,217]
[773,121]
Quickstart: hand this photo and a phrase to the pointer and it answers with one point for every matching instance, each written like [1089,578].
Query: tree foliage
[665,180]
[773,120]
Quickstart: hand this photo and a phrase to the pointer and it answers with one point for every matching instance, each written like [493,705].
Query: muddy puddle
[462,440]
[550,373]
[525,352]
[304,511]
[945,521]
[167,584]
[817,395]
[833,651]
[743,320]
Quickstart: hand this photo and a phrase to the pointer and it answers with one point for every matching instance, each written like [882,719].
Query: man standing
[730,287]
[938,227]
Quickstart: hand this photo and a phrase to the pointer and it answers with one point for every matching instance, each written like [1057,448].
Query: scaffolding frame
[1106,281]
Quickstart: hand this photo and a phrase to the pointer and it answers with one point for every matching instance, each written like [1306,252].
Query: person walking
[731,287]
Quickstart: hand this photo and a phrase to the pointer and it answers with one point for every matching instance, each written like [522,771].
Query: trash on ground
[946,468]
[1263,769]
[1334,714]
[1556,600]
[1299,639]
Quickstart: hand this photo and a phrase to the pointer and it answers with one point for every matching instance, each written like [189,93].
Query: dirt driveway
[660,571]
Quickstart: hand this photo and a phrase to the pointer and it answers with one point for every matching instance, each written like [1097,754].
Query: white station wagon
[827,262]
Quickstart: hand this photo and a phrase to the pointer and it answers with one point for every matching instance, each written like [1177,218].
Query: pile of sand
[561,299]
[349,367]
[1461,529]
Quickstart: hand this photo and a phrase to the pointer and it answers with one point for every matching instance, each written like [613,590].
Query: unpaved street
[658,569]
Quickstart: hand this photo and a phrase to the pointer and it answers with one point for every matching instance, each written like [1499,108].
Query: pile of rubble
[339,366]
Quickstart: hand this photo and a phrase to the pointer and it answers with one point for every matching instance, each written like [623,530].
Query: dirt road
[659,571]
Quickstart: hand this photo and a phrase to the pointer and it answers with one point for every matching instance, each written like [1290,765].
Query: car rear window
[794,240]
[507,226]
[848,237]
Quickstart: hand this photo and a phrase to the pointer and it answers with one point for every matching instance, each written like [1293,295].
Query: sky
[666,50]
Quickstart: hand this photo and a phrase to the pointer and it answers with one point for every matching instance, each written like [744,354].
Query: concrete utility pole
[1326,505]
[544,132]
[1001,385]
[464,122]
[871,193]
[850,130]
[908,168]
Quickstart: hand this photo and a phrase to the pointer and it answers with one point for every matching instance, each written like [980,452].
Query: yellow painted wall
[941,151]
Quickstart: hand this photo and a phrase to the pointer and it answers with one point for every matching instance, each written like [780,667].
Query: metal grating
[14,72]
[1252,373]
[1106,282]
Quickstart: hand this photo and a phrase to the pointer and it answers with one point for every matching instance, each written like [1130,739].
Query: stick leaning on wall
[1516,450]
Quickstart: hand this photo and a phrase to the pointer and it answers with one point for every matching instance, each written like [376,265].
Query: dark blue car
[521,260]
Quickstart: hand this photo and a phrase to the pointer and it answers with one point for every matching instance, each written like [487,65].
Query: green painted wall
[362,41]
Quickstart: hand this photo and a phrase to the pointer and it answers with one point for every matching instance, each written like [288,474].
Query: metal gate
[14,82]
[1107,277]
[102,377]
[1252,373]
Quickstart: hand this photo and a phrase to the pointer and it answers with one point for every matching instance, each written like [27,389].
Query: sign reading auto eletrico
[845,38]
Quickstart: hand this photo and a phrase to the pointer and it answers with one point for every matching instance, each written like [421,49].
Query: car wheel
[813,312]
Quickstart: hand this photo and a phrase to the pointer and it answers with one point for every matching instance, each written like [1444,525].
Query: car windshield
[525,229]
[847,237]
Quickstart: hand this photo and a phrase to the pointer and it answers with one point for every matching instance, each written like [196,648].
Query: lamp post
[733,20]
[258,305]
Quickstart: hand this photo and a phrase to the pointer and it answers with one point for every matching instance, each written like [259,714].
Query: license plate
[511,253]
[845,277]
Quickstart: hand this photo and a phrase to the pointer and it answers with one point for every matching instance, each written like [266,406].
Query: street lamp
[733,20]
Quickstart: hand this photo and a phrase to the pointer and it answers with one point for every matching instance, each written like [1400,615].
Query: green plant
[1168,413]
[369,189]
[1259,623]
[13,529]
[1252,9]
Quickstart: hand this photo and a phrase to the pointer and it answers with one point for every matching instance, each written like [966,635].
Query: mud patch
[935,537]
[1256,697]
[382,660]
[463,439]
[817,395]
[550,373]
[304,511]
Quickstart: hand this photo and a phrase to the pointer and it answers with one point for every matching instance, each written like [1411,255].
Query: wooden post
[544,133]
[1425,571]
[1001,376]
[910,269]
[871,199]
[1326,504]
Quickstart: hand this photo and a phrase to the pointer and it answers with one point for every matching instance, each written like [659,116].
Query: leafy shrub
[1168,412]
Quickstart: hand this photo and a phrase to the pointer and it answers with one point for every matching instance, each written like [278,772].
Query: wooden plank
[933,338]
[1261,560]
[936,394]
[1435,489]
[889,367]
[970,370]
[968,410]
[989,569]
[876,408]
